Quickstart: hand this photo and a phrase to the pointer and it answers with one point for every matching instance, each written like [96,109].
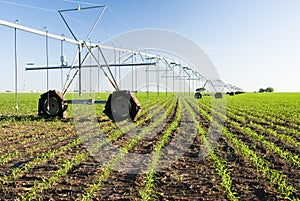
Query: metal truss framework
[164,68]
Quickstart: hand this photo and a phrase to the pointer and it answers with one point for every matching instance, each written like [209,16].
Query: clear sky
[253,43]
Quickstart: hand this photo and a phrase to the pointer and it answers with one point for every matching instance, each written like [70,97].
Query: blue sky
[253,43]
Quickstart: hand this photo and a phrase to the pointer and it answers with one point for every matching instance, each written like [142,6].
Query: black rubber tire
[52,108]
[218,95]
[122,105]
[198,95]
[51,105]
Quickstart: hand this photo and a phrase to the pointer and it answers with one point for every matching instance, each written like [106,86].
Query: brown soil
[188,178]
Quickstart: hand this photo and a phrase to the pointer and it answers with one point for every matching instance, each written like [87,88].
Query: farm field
[256,156]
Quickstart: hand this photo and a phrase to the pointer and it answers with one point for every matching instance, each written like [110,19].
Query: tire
[51,105]
[122,105]
[218,95]
[198,95]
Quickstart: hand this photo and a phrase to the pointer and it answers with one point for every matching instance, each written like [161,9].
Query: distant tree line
[269,89]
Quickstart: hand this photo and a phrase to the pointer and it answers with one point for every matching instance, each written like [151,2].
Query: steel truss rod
[59,37]
[113,81]
[155,70]
[69,82]
[72,41]
[38,32]
[88,66]
[100,46]
[82,8]
[215,83]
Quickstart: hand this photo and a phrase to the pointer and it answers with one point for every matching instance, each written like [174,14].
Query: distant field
[256,157]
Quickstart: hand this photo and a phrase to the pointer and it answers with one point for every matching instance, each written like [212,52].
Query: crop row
[219,163]
[275,177]
[46,156]
[269,116]
[64,169]
[148,192]
[293,143]
[286,155]
[109,166]
[269,122]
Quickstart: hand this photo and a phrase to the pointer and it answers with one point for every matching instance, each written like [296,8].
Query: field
[255,157]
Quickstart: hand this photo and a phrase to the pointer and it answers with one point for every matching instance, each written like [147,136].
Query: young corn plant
[148,192]
[287,156]
[262,165]
[109,166]
[219,165]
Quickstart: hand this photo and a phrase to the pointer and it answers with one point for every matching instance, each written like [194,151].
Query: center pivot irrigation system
[121,104]
[231,90]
